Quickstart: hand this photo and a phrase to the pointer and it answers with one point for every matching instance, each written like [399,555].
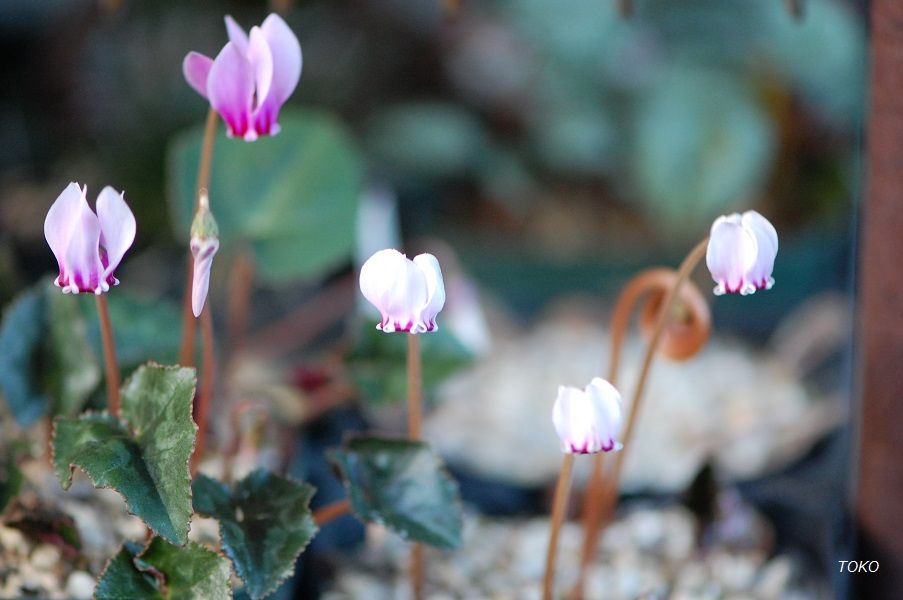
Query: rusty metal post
[879,493]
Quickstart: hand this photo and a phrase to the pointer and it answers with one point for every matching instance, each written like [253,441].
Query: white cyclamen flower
[408,293]
[588,420]
[741,253]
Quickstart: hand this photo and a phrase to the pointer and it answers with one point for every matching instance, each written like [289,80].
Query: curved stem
[602,491]
[415,392]
[109,353]
[334,510]
[189,324]
[208,371]
[559,506]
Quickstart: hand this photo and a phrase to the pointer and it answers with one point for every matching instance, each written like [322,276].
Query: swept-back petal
[262,61]
[574,421]
[287,62]
[82,258]
[196,68]
[236,34]
[117,227]
[767,240]
[730,255]
[230,88]
[435,290]
[61,220]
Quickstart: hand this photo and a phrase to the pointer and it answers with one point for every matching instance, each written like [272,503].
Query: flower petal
[230,88]
[237,35]
[82,258]
[287,62]
[397,288]
[767,240]
[435,290]
[730,255]
[117,227]
[61,221]
[606,402]
[196,68]
[262,61]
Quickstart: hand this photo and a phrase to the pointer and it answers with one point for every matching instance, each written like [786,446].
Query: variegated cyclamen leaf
[144,456]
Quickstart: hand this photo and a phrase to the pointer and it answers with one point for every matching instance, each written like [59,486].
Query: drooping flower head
[741,253]
[88,247]
[251,78]
[408,293]
[204,243]
[588,420]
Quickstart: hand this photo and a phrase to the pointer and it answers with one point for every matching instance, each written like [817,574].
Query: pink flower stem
[334,510]
[208,371]
[189,323]
[602,491]
[109,353]
[415,393]
[559,507]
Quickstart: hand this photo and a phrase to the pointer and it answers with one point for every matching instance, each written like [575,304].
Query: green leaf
[378,361]
[163,571]
[403,485]
[20,355]
[11,477]
[291,198]
[74,369]
[265,524]
[145,456]
[144,329]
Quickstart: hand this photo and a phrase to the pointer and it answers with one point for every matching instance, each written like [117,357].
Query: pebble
[80,586]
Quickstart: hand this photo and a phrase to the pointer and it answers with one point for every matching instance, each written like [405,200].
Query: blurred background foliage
[547,141]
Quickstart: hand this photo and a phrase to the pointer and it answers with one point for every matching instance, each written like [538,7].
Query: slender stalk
[559,506]
[415,393]
[109,354]
[334,510]
[208,371]
[602,490]
[189,324]
[241,285]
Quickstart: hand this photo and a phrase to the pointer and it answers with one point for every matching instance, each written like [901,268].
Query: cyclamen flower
[88,247]
[588,420]
[251,78]
[408,293]
[741,253]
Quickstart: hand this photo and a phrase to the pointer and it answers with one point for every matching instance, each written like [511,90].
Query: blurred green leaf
[403,485]
[74,371]
[378,364]
[21,336]
[701,144]
[427,140]
[265,524]
[291,198]
[145,456]
[144,329]
[10,476]
[165,572]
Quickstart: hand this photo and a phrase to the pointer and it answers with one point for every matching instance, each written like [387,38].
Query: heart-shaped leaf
[265,524]
[403,485]
[164,571]
[145,455]
[20,355]
[291,198]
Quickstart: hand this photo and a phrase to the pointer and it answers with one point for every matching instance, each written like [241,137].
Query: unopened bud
[204,244]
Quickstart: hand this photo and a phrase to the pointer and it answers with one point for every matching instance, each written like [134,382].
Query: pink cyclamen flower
[408,293]
[741,253]
[251,78]
[88,247]
[588,420]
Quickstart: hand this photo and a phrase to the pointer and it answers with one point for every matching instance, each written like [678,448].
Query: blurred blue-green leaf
[291,198]
[21,353]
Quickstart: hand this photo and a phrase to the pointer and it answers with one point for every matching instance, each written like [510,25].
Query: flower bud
[741,253]
[204,244]
[408,293]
